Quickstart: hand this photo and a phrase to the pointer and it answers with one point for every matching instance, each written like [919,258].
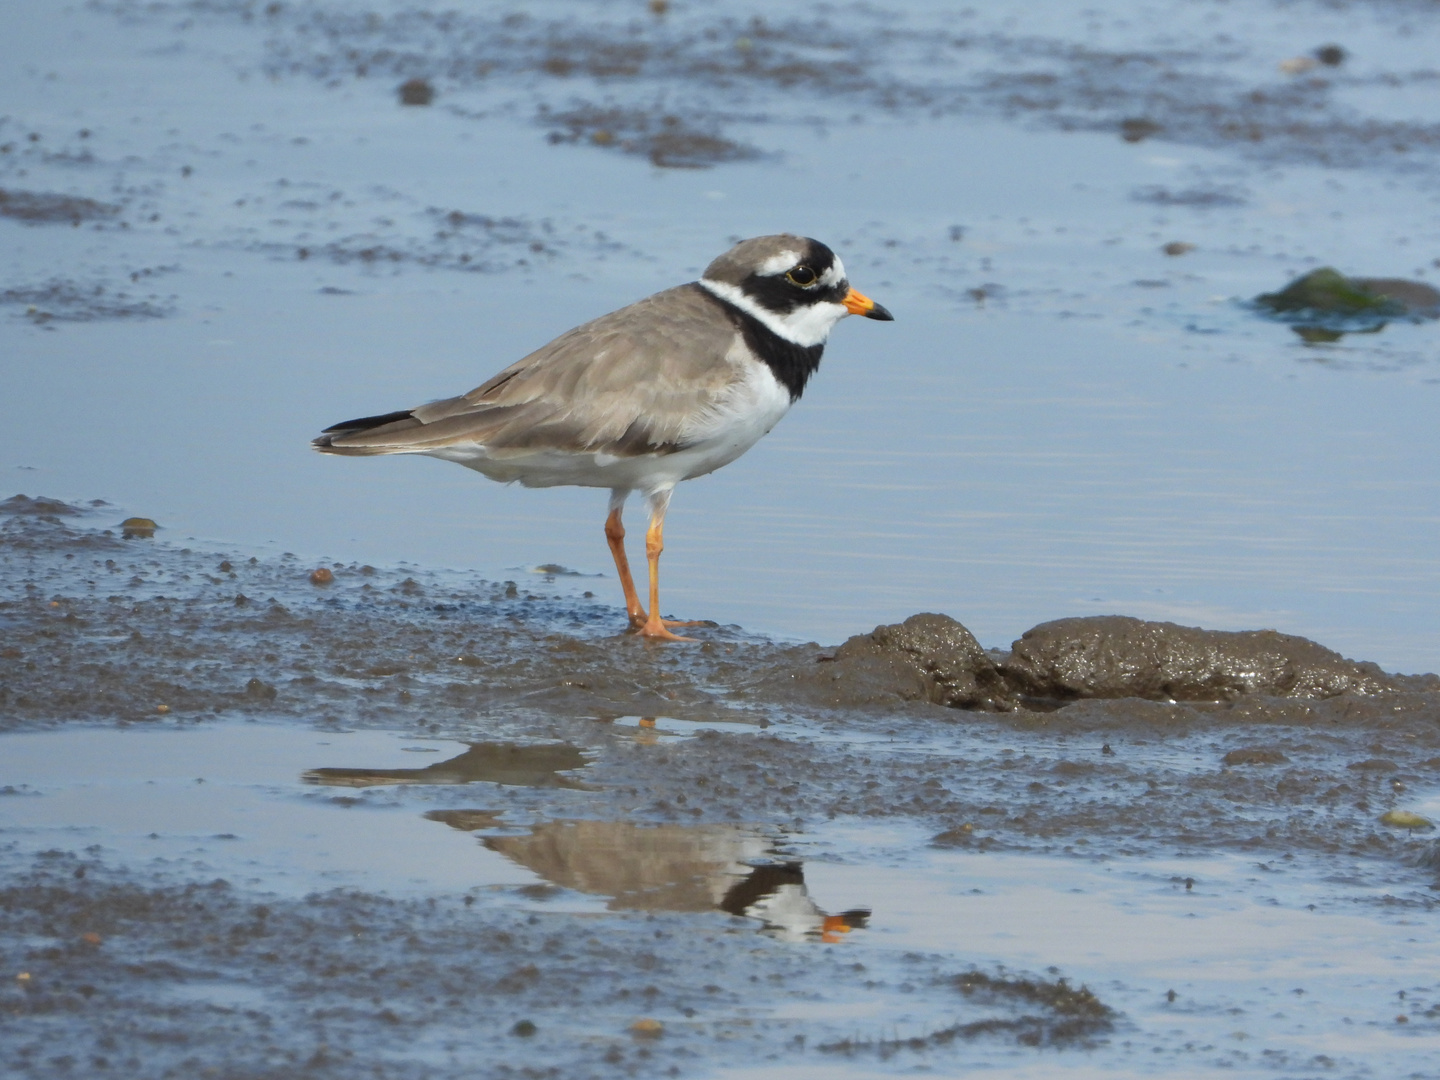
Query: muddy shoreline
[144,632]
[673,783]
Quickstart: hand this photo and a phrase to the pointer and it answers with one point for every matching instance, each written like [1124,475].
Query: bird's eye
[802,276]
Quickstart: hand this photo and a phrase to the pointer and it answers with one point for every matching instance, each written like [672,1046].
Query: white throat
[805,326]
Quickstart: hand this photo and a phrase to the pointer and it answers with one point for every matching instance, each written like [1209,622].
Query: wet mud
[460,240]
[933,658]
[44,208]
[164,977]
[1213,91]
[1111,738]
[1063,1016]
[65,301]
[667,140]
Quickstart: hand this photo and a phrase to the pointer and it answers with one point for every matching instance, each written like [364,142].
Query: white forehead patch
[778,264]
[835,275]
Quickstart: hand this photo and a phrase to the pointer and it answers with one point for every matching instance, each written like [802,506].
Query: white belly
[753,405]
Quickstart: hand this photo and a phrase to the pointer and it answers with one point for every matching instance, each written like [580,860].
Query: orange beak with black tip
[857,303]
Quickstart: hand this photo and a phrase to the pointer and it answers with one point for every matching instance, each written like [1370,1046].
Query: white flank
[806,326]
[749,408]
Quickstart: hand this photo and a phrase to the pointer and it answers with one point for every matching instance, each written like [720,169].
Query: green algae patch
[1328,291]
[138,528]
[1325,304]
[1404,819]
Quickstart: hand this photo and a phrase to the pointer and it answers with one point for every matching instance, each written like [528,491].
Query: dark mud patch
[460,240]
[1215,91]
[1200,198]
[1254,756]
[63,300]
[668,140]
[1119,657]
[492,763]
[416,92]
[1065,1016]
[928,658]
[933,658]
[45,208]
[45,507]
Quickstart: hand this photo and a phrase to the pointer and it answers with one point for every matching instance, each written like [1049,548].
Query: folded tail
[367,435]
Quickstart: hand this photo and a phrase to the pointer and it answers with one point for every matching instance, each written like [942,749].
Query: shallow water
[1209,960]
[1106,429]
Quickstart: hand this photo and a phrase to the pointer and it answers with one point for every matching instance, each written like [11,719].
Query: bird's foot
[658,629]
[639,621]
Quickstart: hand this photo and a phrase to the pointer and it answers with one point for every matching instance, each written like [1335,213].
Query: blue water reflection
[1063,419]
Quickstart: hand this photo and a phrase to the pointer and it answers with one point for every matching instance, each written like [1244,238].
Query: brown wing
[628,383]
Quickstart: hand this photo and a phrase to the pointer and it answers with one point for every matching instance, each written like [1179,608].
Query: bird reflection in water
[681,868]
[691,868]
[516,764]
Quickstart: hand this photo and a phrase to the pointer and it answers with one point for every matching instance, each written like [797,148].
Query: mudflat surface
[1117,754]
[440,825]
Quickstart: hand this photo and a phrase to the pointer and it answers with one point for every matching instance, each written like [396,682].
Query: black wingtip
[365,423]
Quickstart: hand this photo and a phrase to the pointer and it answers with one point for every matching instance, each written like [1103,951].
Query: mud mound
[926,658]
[932,658]
[1113,656]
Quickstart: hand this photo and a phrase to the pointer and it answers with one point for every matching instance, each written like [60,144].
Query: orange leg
[615,537]
[655,627]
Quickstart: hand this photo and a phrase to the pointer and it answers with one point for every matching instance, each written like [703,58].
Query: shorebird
[667,389]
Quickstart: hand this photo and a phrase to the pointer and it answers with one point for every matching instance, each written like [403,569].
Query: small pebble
[162,708]
[1178,247]
[91,938]
[323,576]
[646,1028]
[525,1028]
[416,92]
[137,528]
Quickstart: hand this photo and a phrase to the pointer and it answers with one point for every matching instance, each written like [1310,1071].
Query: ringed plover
[665,390]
